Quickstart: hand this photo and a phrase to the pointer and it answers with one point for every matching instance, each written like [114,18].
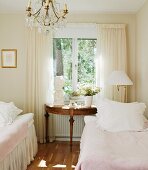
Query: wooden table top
[65,110]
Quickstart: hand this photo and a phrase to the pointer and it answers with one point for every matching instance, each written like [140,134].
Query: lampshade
[119,78]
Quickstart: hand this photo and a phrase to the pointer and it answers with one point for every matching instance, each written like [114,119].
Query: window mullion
[74,64]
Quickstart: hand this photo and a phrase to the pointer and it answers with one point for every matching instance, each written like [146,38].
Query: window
[74,50]
[74,59]
[86,56]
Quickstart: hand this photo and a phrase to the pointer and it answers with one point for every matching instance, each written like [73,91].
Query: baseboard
[66,138]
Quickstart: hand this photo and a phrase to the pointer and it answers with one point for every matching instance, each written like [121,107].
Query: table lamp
[120,78]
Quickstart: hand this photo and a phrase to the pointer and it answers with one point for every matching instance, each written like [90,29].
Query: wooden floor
[56,156]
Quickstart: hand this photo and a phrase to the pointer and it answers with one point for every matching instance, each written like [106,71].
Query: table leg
[46,126]
[71,120]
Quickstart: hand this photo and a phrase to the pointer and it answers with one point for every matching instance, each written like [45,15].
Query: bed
[104,150]
[18,143]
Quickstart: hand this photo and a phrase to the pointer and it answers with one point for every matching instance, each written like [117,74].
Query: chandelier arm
[38,21]
[54,11]
[36,16]
[63,16]
[57,20]
[38,11]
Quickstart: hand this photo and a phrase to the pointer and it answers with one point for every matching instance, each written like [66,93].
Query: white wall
[12,35]
[12,80]
[142,55]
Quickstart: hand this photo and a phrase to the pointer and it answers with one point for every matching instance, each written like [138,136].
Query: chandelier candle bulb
[65,7]
[29,3]
[47,3]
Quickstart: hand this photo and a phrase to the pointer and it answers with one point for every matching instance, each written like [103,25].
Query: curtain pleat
[39,77]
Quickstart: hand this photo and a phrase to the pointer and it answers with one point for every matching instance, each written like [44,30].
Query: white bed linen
[8,113]
[116,116]
[23,153]
[102,150]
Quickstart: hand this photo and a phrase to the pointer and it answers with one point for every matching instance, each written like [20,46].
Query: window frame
[75,60]
[77,31]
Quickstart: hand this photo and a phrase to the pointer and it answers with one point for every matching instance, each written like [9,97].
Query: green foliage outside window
[86,56]
[63,54]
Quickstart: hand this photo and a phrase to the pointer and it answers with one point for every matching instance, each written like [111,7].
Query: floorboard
[56,156]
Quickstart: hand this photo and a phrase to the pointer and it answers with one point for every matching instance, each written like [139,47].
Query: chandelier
[45,14]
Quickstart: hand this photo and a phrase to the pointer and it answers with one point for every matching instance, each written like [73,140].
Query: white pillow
[2,121]
[115,116]
[8,113]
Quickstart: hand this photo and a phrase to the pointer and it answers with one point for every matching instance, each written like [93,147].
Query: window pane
[86,56]
[62,52]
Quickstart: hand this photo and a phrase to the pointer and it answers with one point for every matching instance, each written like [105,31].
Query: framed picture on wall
[9,58]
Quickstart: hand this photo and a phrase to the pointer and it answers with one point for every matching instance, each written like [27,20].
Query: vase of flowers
[88,101]
[89,91]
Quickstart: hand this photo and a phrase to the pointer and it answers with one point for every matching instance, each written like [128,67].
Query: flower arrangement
[89,90]
[70,92]
[75,93]
[82,90]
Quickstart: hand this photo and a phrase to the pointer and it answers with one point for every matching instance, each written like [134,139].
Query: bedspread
[102,150]
[11,135]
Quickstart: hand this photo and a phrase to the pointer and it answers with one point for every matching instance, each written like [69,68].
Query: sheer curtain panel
[39,77]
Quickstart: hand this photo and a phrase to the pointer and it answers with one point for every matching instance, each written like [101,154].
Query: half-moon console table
[71,111]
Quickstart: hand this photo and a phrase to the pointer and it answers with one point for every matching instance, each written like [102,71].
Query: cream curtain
[39,79]
[111,55]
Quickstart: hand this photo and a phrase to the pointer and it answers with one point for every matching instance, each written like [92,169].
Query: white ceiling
[83,6]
